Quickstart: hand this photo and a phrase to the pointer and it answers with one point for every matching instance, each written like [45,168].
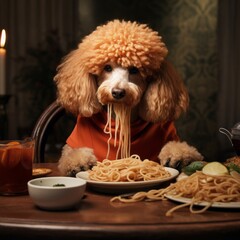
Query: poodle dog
[126,96]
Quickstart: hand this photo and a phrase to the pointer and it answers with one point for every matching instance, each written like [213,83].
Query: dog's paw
[74,160]
[178,155]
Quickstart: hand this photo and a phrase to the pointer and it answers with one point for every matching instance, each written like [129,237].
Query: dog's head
[121,62]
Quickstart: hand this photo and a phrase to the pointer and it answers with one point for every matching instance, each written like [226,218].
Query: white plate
[215,204]
[119,187]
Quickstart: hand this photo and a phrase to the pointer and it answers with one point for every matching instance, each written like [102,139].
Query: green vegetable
[233,167]
[193,167]
[59,185]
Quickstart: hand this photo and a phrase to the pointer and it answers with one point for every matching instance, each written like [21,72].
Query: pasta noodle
[199,187]
[122,129]
[127,170]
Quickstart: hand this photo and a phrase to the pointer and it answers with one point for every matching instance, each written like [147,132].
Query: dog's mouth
[128,101]
[129,97]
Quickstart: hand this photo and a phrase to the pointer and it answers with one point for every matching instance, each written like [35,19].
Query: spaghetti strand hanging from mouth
[122,134]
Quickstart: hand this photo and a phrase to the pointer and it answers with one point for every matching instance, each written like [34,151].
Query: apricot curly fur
[127,44]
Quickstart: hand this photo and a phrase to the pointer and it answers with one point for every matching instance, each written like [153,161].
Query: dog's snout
[118,93]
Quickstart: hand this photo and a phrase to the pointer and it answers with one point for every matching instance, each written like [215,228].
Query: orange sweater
[147,139]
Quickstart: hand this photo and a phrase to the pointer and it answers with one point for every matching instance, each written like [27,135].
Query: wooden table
[96,218]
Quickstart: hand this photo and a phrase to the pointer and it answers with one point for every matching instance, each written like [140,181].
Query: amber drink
[16,159]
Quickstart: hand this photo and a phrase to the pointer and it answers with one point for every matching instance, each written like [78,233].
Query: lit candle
[2,63]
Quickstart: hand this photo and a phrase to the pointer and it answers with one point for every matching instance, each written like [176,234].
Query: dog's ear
[165,97]
[76,87]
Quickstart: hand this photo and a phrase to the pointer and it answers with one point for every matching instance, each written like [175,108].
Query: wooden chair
[43,128]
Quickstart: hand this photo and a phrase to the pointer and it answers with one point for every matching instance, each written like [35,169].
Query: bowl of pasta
[56,193]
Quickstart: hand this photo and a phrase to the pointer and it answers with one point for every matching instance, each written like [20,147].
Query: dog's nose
[118,93]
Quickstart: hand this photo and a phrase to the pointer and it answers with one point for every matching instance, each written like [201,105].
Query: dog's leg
[178,155]
[74,160]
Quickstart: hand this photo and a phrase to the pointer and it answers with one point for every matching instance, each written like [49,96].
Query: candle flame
[3,38]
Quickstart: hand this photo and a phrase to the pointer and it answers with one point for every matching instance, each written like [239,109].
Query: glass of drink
[16,159]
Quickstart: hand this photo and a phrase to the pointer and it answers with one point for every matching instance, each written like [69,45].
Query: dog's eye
[108,68]
[133,70]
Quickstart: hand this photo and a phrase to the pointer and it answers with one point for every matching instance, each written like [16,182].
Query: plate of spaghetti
[196,190]
[203,203]
[127,175]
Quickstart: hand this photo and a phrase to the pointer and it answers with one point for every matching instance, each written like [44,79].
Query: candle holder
[3,116]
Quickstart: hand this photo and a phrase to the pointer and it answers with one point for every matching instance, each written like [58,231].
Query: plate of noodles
[203,203]
[119,187]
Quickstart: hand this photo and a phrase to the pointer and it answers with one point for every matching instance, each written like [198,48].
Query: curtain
[28,23]
[229,66]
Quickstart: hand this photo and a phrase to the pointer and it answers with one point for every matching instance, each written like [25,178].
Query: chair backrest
[42,128]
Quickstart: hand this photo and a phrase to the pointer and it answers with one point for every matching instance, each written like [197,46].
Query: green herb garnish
[59,185]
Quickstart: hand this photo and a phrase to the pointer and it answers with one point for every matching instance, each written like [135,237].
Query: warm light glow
[3,38]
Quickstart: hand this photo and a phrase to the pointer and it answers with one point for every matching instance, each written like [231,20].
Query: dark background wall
[41,32]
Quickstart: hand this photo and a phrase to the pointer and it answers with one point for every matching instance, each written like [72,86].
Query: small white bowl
[56,193]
